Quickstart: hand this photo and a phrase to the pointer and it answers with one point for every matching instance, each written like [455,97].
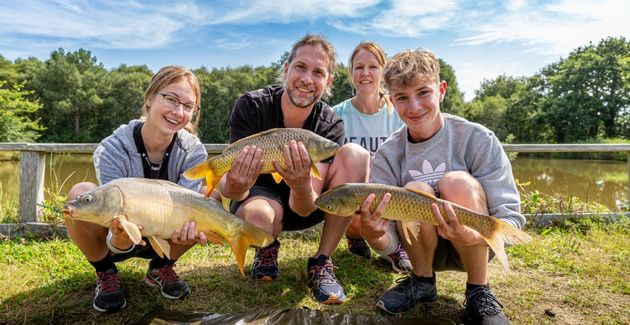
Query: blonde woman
[369,119]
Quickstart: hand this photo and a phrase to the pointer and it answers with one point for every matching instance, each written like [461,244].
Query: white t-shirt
[368,131]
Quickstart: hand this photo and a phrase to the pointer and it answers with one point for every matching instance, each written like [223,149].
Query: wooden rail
[33,161]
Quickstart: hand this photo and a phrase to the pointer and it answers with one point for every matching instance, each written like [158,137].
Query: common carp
[162,207]
[271,142]
[411,207]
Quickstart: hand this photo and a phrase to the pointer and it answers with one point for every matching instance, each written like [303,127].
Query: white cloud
[405,18]
[288,11]
[555,28]
[108,25]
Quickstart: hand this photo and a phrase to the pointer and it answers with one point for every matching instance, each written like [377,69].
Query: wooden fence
[33,162]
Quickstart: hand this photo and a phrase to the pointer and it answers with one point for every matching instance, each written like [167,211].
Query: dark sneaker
[409,291]
[326,289]
[482,307]
[265,266]
[167,280]
[359,247]
[400,260]
[109,295]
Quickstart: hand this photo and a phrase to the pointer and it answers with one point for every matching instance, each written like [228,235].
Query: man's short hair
[407,66]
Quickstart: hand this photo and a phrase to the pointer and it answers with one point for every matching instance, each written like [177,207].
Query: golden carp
[411,207]
[271,142]
[162,207]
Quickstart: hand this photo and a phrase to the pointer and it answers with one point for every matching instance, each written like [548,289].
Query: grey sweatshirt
[458,145]
[117,157]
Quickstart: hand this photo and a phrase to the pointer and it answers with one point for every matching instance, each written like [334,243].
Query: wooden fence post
[32,165]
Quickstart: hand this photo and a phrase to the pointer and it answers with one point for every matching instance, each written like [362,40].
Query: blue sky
[480,39]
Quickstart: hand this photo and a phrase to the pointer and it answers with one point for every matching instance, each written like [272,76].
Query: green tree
[588,90]
[70,89]
[454,99]
[123,97]
[15,111]
[220,90]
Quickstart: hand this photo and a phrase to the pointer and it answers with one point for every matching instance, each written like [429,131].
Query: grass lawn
[577,274]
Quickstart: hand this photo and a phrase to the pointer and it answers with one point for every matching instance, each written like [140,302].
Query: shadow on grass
[216,289]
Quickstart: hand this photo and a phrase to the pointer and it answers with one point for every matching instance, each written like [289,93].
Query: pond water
[590,180]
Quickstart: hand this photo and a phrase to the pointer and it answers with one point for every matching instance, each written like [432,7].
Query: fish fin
[249,235]
[276,177]
[214,238]
[422,193]
[249,137]
[315,171]
[131,229]
[412,226]
[207,170]
[160,246]
[505,233]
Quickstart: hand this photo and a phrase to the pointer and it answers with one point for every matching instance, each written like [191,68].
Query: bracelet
[113,248]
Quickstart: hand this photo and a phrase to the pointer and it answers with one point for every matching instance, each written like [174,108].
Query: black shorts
[138,251]
[446,257]
[280,194]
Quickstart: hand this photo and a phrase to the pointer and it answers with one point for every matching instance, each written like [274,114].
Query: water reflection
[599,181]
[604,182]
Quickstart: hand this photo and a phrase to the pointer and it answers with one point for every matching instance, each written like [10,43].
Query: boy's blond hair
[407,66]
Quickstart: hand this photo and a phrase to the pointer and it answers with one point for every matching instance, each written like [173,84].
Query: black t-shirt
[260,110]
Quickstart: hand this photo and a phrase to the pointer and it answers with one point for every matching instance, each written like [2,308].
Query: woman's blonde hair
[169,75]
[381,58]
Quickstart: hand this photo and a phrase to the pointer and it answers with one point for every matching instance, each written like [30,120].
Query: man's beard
[300,102]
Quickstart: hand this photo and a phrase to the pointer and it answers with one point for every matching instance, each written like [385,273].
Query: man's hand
[452,230]
[373,226]
[245,170]
[297,173]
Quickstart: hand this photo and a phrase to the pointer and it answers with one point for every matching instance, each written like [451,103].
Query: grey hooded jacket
[117,157]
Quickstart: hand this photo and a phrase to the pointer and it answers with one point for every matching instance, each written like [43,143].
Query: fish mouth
[67,210]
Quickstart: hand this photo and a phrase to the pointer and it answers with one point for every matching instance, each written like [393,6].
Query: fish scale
[271,142]
[412,207]
[162,207]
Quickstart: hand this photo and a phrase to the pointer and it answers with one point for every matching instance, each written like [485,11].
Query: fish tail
[249,236]
[205,169]
[505,233]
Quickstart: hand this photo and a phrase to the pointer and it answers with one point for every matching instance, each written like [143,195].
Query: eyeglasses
[173,102]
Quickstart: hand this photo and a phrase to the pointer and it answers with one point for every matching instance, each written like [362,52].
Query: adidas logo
[428,174]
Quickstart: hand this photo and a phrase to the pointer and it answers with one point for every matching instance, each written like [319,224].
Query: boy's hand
[452,230]
[373,226]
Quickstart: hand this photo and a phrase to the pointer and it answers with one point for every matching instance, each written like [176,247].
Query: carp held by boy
[413,207]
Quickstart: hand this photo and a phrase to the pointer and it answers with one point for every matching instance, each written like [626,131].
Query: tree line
[71,97]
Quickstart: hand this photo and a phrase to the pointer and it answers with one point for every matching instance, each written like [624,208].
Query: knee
[458,181]
[353,155]
[352,163]
[79,189]
[257,212]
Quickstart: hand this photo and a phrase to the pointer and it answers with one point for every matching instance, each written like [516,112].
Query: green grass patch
[579,272]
